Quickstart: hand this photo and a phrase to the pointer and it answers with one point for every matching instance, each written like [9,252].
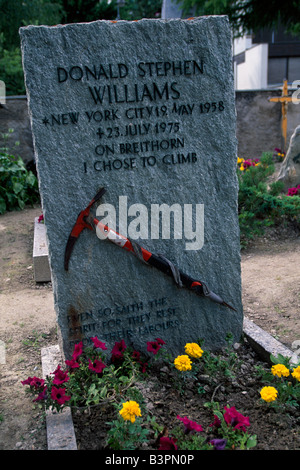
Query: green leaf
[251,442]
[17,187]
[2,206]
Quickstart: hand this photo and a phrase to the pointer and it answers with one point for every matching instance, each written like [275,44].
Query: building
[263,60]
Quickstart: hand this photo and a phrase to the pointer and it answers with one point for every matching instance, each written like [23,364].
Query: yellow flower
[130,410]
[242,168]
[193,350]
[268,394]
[296,373]
[183,363]
[280,370]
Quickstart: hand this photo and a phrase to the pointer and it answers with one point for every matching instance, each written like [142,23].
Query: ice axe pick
[87,220]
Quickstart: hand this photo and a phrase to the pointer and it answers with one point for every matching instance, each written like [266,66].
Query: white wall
[253,73]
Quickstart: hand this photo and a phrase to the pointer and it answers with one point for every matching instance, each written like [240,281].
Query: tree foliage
[17,13]
[249,15]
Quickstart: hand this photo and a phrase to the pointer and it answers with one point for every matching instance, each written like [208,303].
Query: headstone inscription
[146,110]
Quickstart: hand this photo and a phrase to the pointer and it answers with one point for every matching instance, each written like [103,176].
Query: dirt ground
[271,298]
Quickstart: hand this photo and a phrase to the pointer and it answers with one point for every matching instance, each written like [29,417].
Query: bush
[261,204]
[18,186]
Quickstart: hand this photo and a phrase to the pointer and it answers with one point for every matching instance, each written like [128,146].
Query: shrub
[18,186]
[261,204]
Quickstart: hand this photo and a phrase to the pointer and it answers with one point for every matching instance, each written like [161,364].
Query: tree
[80,11]
[138,9]
[17,13]
[249,15]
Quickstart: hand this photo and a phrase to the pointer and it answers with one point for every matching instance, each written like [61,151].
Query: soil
[271,298]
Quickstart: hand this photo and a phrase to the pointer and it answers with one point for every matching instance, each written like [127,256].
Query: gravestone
[146,110]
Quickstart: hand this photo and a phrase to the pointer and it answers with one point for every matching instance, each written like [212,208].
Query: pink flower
[160,341]
[34,382]
[216,423]
[77,350]
[59,395]
[98,344]
[27,381]
[189,425]
[117,351]
[60,376]
[294,191]
[167,443]
[153,346]
[96,365]
[42,395]
[143,366]
[235,419]
[119,347]
[41,218]
[72,364]
[136,355]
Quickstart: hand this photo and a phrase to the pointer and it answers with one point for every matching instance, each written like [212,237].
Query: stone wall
[14,115]
[258,123]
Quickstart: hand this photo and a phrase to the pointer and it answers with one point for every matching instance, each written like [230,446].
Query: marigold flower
[280,370]
[193,350]
[130,411]
[183,363]
[268,394]
[296,373]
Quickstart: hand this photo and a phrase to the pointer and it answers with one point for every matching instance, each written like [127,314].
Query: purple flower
[219,444]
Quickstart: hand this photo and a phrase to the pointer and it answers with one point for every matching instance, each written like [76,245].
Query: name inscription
[140,120]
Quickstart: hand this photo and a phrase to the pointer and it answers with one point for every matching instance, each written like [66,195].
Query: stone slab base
[40,253]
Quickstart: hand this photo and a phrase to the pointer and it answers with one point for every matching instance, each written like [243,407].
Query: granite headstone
[145,109]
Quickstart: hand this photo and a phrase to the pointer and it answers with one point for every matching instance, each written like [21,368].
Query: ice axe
[87,220]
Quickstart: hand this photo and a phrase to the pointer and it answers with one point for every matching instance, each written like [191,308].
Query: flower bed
[196,401]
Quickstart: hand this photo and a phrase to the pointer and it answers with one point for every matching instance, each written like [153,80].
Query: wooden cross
[284,99]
